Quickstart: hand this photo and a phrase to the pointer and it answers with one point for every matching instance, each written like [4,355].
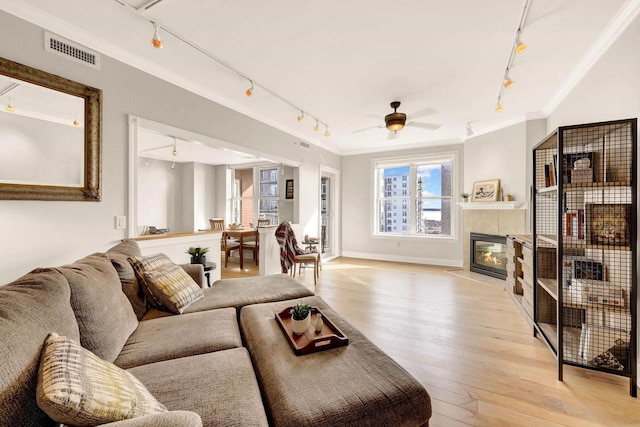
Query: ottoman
[357,384]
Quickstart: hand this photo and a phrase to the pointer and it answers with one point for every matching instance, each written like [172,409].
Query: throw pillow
[104,314]
[119,255]
[141,264]
[77,388]
[166,284]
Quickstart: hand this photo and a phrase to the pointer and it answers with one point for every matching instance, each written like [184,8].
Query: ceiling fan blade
[367,128]
[429,126]
[373,116]
[423,113]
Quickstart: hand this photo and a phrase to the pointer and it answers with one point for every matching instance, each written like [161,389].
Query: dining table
[240,234]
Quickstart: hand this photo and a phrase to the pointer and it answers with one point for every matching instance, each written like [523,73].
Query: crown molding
[625,16]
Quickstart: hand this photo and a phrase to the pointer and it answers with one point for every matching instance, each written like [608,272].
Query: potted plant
[465,196]
[197,255]
[300,318]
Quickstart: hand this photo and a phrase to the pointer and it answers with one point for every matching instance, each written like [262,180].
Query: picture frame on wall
[288,189]
[485,191]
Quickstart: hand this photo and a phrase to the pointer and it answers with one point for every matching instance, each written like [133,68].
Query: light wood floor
[467,344]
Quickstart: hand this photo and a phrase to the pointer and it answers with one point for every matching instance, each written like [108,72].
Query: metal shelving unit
[584,246]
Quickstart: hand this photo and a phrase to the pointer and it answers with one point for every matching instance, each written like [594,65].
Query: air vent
[70,50]
[305,145]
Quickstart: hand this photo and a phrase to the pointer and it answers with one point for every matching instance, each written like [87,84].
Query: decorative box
[582,176]
[600,292]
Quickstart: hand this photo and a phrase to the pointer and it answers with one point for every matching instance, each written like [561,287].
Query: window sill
[416,238]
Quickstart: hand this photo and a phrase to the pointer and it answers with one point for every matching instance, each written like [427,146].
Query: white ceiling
[343,62]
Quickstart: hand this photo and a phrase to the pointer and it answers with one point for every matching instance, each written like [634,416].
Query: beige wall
[39,234]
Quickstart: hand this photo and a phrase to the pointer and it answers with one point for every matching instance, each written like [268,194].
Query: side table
[207,268]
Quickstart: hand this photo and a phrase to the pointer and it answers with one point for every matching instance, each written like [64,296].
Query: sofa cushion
[357,384]
[105,316]
[166,419]
[119,256]
[180,336]
[78,388]
[244,291]
[221,387]
[172,287]
[30,308]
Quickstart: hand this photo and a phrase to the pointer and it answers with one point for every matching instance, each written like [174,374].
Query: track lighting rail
[141,12]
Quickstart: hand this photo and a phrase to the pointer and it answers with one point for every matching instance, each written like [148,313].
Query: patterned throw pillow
[77,388]
[166,284]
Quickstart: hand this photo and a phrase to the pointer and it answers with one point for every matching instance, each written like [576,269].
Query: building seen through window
[245,199]
[424,201]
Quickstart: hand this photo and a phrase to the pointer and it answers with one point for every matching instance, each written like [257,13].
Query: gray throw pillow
[119,255]
[105,316]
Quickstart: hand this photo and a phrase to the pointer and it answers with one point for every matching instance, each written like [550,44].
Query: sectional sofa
[222,361]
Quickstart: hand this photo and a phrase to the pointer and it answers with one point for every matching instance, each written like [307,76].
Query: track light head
[316,126]
[326,131]
[300,117]
[520,46]
[173,165]
[508,82]
[249,91]
[156,41]
[498,107]
[76,123]
[10,108]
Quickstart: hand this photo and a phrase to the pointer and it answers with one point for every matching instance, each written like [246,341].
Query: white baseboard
[408,259]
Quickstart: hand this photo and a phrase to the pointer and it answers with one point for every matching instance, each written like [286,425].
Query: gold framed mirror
[50,136]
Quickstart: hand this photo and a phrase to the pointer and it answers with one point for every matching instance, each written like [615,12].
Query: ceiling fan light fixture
[156,41]
[395,121]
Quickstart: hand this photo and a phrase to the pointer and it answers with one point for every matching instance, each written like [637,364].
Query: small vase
[318,323]
[299,327]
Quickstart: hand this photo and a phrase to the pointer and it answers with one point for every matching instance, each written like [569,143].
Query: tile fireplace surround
[501,218]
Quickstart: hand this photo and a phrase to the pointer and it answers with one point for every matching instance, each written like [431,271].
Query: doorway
[329,213]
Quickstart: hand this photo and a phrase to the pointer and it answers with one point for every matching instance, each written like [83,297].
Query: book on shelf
[547,176]
[580,224]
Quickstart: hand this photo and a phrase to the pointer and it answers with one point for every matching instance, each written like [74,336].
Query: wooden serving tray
[311,341]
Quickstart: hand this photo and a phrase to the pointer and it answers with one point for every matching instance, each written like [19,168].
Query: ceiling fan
[396,121]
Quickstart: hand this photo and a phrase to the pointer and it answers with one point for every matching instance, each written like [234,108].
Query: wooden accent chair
[254,244]
[226,245]
[291,255]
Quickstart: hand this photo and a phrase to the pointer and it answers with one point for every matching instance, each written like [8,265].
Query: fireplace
[489,255]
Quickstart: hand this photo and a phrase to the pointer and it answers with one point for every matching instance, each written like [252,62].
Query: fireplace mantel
[492,205]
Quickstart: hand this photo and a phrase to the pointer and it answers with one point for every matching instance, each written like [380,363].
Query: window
[245,198]
[426,204]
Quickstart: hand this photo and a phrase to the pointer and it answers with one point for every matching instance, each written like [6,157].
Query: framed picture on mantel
[485,191]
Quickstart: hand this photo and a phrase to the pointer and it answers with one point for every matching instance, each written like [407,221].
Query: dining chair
[217,224]
[292,256]
[253,244]
[227,245]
